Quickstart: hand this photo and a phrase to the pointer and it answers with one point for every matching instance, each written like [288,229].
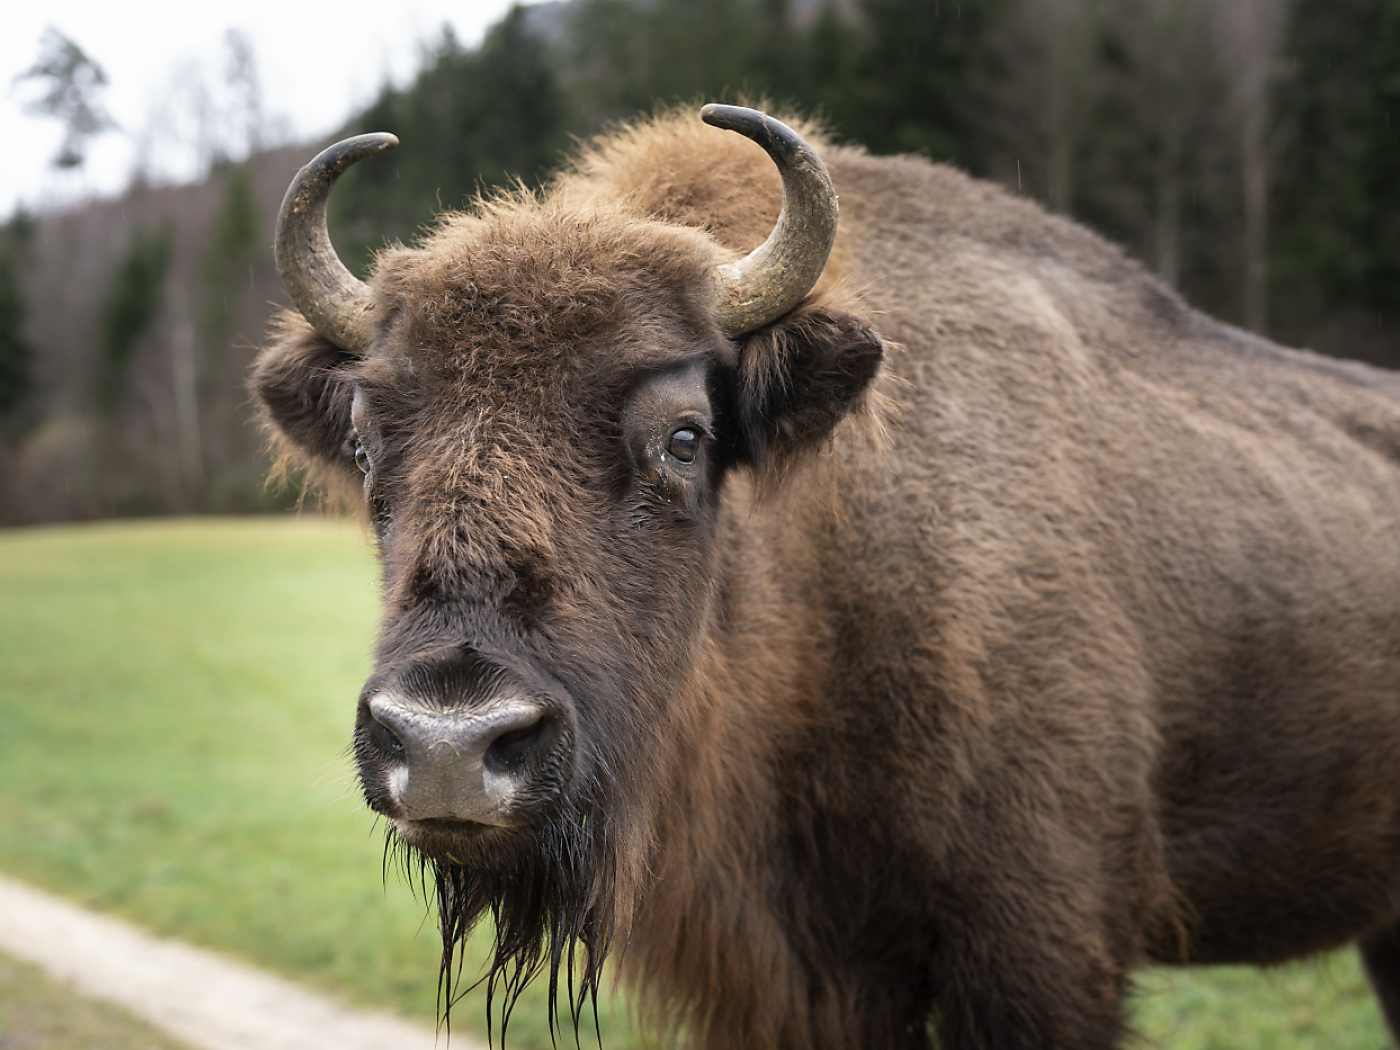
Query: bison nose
[466,765]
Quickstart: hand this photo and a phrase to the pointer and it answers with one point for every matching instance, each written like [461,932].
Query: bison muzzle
[873,639]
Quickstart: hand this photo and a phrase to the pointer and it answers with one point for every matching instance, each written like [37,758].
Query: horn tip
[730,118]
[368,145]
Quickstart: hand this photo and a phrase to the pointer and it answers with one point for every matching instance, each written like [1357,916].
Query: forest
[1248,153]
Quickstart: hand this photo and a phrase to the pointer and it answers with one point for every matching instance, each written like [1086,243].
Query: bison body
[907,669]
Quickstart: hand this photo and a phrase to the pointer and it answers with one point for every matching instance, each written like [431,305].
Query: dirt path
[208,1001]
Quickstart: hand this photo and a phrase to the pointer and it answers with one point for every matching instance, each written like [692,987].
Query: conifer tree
[129,309]
[1338,241]
[16,352]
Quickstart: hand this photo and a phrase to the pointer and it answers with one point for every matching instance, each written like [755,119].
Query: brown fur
[1095,660]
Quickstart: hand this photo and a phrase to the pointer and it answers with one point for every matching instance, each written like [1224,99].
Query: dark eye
[362,459]
[684,445]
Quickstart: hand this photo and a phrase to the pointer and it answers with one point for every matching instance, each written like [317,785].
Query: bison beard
[550,908]
[892,661]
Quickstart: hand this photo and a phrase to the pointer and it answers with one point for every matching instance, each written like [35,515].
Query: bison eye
[362,459]
[684,445]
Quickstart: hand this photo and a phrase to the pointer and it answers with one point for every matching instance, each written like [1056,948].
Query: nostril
[379,728]
[513,748]
[384,739]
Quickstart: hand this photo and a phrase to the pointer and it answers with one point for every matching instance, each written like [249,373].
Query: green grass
[175,704]
[1320,1005]
[43,1014]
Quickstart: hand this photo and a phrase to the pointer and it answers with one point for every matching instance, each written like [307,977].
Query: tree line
[1247,152]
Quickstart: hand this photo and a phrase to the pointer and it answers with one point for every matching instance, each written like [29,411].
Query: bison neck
[761,878]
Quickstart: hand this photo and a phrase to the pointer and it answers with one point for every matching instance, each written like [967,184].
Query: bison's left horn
[780,271]
[338,304]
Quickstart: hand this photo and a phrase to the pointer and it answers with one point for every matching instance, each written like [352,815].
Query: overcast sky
[317,62]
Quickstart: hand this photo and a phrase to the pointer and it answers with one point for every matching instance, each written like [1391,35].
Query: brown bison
[872,651]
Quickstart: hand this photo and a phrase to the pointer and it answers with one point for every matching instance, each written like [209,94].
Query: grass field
[174,709]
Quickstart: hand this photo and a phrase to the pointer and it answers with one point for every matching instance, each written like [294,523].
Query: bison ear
[797,379]
[303,384]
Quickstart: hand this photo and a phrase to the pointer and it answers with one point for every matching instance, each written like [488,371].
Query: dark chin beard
[551,905]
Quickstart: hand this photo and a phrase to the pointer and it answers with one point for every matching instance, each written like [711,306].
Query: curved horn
[338,305]
[775,276]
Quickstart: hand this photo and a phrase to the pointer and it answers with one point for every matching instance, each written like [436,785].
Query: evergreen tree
[130,308]
[910,93]
[832,54]
[73,82]
[471,119]
[629,55]
[233,245]
[1335,210]
[16,353]
[1157,172]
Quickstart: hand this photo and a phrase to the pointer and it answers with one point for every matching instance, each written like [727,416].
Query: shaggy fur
[1015,624]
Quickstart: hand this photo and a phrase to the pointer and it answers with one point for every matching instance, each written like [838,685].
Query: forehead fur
[634,225]
[524,280]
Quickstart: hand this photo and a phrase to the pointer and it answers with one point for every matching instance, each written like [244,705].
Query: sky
[316,63]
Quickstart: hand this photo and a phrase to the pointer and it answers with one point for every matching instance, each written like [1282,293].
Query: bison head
[548,402]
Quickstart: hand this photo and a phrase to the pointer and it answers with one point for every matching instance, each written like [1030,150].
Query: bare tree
[245,89]
[1047,95]
[1250,33]
[181,137]
[1167,85]
[184,386]
[203,119]
[1067,29]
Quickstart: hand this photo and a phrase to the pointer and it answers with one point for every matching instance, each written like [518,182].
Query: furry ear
[303,384]
[797,379]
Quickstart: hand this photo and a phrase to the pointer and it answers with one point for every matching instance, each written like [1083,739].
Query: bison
[885,638]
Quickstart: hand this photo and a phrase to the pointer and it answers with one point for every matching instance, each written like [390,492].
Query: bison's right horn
[779,272]
[338,305]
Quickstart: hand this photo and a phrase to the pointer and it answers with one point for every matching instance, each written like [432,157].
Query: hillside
[1251,169]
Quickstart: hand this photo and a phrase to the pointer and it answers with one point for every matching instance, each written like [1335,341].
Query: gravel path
[202,998]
